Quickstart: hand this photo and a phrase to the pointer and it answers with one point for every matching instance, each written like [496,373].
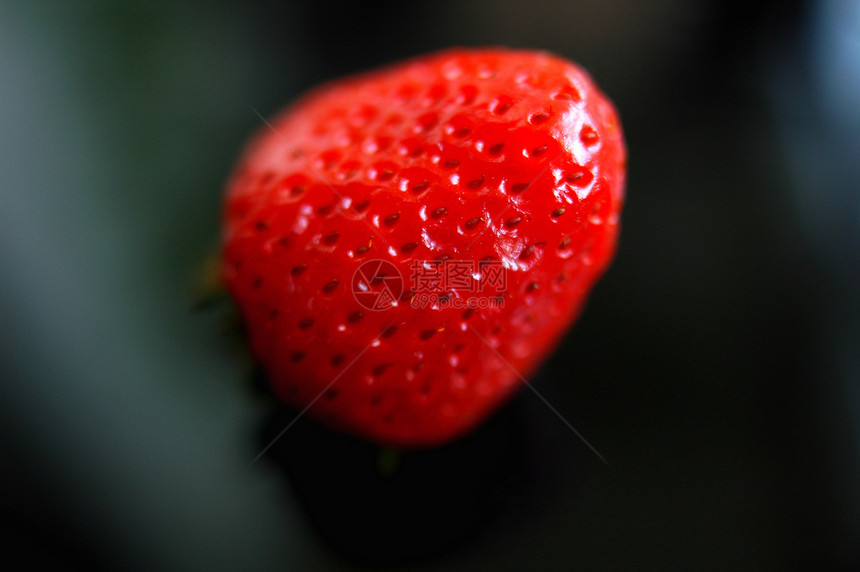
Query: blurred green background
[716,366]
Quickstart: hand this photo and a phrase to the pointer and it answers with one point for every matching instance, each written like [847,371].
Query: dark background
[716,367]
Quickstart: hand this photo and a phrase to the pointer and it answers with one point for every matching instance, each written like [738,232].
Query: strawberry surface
[405,245]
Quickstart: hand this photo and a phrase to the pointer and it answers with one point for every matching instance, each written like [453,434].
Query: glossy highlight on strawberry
[505,169]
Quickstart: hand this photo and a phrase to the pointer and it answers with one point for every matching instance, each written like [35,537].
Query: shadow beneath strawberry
[380,507]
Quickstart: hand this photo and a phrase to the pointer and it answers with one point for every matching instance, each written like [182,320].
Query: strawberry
[405,245]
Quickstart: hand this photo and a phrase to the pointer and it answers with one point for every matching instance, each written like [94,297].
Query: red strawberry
[410,189]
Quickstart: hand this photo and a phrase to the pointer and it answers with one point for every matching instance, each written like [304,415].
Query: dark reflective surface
[376,506]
